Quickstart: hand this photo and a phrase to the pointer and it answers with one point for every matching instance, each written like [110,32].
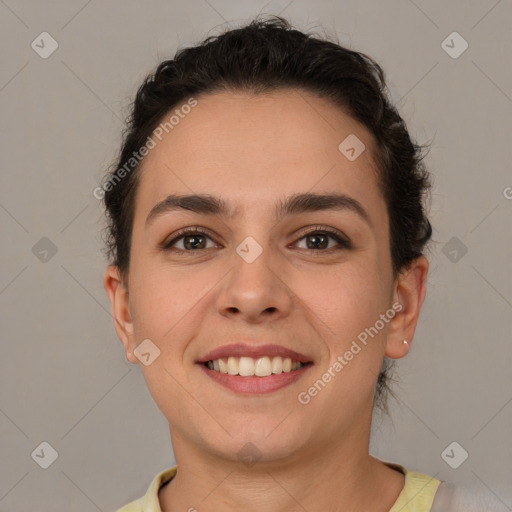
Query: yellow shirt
[416,496]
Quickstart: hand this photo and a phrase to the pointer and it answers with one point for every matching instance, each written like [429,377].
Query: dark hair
[268,55]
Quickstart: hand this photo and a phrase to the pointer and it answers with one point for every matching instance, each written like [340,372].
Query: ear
[410,290]
[119,299]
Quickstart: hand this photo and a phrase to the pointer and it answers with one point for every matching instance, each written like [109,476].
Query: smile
[254,369]
[251,383]
[250,367]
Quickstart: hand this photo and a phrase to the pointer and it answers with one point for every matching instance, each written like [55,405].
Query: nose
[255,292]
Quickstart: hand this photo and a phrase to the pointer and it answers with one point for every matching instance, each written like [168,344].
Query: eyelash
[343,242]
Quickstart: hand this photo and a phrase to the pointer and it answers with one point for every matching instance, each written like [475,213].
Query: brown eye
[196,239]
[191,240]
[318,240]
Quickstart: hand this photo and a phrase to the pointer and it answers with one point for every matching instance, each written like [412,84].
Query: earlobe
[410,290]
[119,300]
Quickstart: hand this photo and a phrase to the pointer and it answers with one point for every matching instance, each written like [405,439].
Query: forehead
[252,148]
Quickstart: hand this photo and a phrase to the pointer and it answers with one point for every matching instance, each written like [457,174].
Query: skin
[253,151]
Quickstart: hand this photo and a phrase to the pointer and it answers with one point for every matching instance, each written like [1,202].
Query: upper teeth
[247,366]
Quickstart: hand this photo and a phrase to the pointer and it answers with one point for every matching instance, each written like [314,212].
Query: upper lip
[254,351]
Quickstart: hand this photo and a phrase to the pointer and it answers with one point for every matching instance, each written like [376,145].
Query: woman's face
[256,276]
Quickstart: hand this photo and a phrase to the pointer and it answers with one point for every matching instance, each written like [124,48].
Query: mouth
[252,369]
[250,360]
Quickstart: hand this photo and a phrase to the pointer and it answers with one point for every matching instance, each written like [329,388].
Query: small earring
[405,341]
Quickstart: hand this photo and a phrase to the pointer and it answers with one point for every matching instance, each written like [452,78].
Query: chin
[263,442]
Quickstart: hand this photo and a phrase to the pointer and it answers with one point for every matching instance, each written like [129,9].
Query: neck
[344,477]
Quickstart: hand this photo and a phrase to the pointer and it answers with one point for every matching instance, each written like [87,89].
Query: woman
[266,238]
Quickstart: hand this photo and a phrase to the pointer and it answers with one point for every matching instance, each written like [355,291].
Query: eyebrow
[292,205]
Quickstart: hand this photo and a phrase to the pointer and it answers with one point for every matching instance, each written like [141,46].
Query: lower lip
[252,385]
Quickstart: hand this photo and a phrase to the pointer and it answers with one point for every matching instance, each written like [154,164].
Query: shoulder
[150,502]
[418,492]
[425,493]
[460,498]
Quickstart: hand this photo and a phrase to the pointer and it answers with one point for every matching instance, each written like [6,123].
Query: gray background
[64,377]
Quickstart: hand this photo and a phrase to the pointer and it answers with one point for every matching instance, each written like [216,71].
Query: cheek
[166,304]
[155,317]
[352,306]
[344,298]
[165,294]
[346,305]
